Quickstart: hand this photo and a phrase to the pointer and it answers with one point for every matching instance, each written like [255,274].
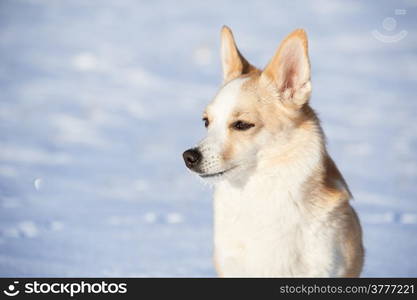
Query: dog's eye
[206,122]
[240,125]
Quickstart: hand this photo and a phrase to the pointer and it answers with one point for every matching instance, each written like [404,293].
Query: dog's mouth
[217,174]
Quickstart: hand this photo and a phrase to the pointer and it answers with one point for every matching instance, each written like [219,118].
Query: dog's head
[256,115]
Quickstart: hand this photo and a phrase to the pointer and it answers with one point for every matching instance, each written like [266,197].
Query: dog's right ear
[233,63]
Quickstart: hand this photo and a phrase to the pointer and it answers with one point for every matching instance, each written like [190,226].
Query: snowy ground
[99,99]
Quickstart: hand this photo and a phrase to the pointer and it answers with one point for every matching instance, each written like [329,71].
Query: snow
[99,99]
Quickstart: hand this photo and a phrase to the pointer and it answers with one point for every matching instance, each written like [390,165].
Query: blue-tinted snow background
[98,99]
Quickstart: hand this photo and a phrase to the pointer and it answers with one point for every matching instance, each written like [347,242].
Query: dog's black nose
[191,157]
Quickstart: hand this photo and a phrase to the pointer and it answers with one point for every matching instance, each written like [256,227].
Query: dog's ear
[288,73]
[233,63]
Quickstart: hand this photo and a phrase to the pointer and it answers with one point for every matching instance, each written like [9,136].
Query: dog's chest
[262,231]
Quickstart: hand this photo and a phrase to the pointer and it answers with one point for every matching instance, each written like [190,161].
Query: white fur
[263,229]
[222,107]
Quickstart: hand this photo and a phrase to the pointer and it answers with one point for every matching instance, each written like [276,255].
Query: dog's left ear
[233,63]
[288,73]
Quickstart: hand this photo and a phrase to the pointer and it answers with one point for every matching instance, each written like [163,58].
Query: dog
[281,206]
